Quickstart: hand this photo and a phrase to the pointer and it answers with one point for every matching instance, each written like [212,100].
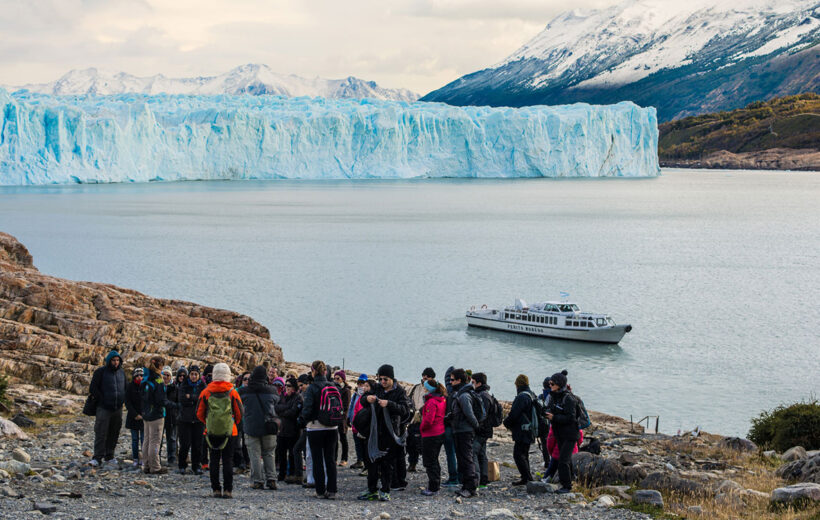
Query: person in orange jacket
[219,452]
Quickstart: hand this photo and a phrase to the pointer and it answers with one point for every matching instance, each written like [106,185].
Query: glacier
[47,139]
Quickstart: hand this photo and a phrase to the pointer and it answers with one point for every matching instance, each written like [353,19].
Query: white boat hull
[612,334]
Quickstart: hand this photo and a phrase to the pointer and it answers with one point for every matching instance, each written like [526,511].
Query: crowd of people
[293,428]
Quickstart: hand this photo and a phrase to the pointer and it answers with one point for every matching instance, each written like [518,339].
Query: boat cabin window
[567,308]
[550,307]
[600,322]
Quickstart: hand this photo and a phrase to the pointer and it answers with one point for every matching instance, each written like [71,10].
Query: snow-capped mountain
[682,57]
[252,79]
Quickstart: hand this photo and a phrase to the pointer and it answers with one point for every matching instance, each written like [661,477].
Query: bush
[4,384]
[787,426]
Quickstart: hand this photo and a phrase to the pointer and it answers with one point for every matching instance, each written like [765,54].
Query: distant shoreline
[778,159]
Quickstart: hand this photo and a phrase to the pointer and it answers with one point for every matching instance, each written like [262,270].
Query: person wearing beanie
[518,422]
[417,395]
[133,419]
[171,413]
[154,399]
[429,373]
[401,414]
[340,379]
[207,373]
[260,400]
[107,392]
[220,449]
[465,424]
[321,438]
[358,442]
[561,413]
[189,428]
[543,438]
[287,409]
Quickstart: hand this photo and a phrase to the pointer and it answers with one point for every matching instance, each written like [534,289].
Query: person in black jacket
[153,416]
[464,423]
[288,409]
[260,401]
[485,429]
[190,428]
[562,416]
[108,391]
[518,422]
[340,379]
[171,411]
[133,418]
[321,438]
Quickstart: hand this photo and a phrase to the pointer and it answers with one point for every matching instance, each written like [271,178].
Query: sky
[416,44]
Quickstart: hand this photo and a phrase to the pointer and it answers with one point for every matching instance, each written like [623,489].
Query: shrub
[4,384]
[787,426]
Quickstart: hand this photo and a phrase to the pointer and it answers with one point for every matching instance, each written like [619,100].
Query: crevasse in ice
[133,138]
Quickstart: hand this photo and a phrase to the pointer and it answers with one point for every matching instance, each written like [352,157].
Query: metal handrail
[639,421]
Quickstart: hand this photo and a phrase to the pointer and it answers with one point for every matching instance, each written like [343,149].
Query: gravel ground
[58,469]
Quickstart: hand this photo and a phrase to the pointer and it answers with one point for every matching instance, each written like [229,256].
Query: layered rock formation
[54,332]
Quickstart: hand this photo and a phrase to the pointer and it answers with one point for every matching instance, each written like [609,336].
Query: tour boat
[561,320]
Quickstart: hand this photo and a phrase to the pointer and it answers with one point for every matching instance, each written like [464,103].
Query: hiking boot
[428,493]
[411,468]
[227,494]
[401,486]
[384,497]
[357,465]
[217,493]
[93,463]
[271,484]
[520,482]
[309,485]
[257,485]
[363,473]
[563,491]
[161,471]
[482,486]
[367,495]
[292,480]
[330,496]
[464,493]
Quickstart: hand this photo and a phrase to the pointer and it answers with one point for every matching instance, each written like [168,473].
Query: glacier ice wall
[135,138]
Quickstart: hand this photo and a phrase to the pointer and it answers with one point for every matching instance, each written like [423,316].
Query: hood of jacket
[215,387]
[111,355]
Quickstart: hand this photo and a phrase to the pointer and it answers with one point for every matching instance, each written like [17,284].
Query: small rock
[167,512]
[648,496]
[730,500]
[70,494]
[11,430]
[22,421]
[754,493]
[384,515]
[621,491]
[499,514]
[15,467]
[695,510]
[806,492]
[140,482]
[605,501]
[87,453]
[65,442]
[795,453]
[4,475]
[45,508]
[769,453]
[536,487]
[8,491]
[19,454]
[728,486]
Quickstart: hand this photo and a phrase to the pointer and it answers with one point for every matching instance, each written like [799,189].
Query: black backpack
[538,414]
[495,414]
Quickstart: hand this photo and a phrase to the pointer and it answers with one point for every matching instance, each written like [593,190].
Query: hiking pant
[171,441]
[430,449]
[450,452]
[521,456]
[225,456]
[359,445]
[137,438]
[464,458]
[552,469]
[565,448]
[414,447]
[323,451]
[284,457]
[542,445]
[343,442]
[151,444]
[190,438]
[480,459]
[398,478]
[107,426]
[298,448]
[261,450]
[381,468]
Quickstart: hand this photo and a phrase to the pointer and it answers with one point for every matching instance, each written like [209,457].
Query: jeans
[225,456]
[284,457]
[414,444]
[137,438]
[171,441]
[151,444]
[323,451]
[190,438]
[107,426]
[464,457]
[260,450]
[521,456]
[450,451]
[480,459]
[343,442]
[430,449]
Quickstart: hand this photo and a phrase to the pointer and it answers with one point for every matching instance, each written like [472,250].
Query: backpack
[537,426]
[478,407]
[581,415]
[495,416]
[331,411]
[408,417]
[219,419]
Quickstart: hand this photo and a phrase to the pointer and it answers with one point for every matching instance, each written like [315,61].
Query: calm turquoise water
[718,272]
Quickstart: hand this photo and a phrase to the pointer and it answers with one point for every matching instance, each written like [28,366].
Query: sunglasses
[384,379]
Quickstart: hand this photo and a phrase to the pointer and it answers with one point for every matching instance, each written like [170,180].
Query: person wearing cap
[221,385]
[152,390]
[107,389]
[564,422]
[190,429]
[340,379]
[288,408]
[358,442]
[518,422]
[171,411]
[133,419]
[417,395]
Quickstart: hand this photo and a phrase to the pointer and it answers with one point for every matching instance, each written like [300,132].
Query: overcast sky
[416,44]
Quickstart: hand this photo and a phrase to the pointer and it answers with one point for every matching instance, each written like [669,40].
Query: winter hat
[182,371]
[259,375]
[362,378]
[222,372]
[195,368]
[386,371]
[522,380]
[560,378]
[278,381]
[293,382]
[137,372]
[429,372]
[167,370]
[305,379]
[341,373]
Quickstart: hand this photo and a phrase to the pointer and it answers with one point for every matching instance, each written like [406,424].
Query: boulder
[671,482]
[15,467]
[802,470]
[22,421]
[794,453]
[19,454]
[605,501]
[738,444]
[797,495]
[602,471]
[648,496]
[11,430]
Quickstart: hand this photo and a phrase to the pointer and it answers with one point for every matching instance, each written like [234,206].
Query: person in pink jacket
[432,433]
[555,453]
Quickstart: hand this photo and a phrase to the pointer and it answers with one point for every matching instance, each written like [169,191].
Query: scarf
[373,451]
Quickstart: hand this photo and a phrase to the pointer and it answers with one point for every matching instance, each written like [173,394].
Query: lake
[718,272]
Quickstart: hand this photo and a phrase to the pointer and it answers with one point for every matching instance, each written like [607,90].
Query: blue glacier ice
[135,138]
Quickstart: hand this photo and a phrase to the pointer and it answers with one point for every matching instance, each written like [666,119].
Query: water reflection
[546,348]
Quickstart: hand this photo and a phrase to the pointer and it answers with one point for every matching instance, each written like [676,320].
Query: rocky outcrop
[772,159]
[801,470]
[54,332]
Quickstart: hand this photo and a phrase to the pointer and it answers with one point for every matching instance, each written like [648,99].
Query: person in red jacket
[432,433]
[220,384]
